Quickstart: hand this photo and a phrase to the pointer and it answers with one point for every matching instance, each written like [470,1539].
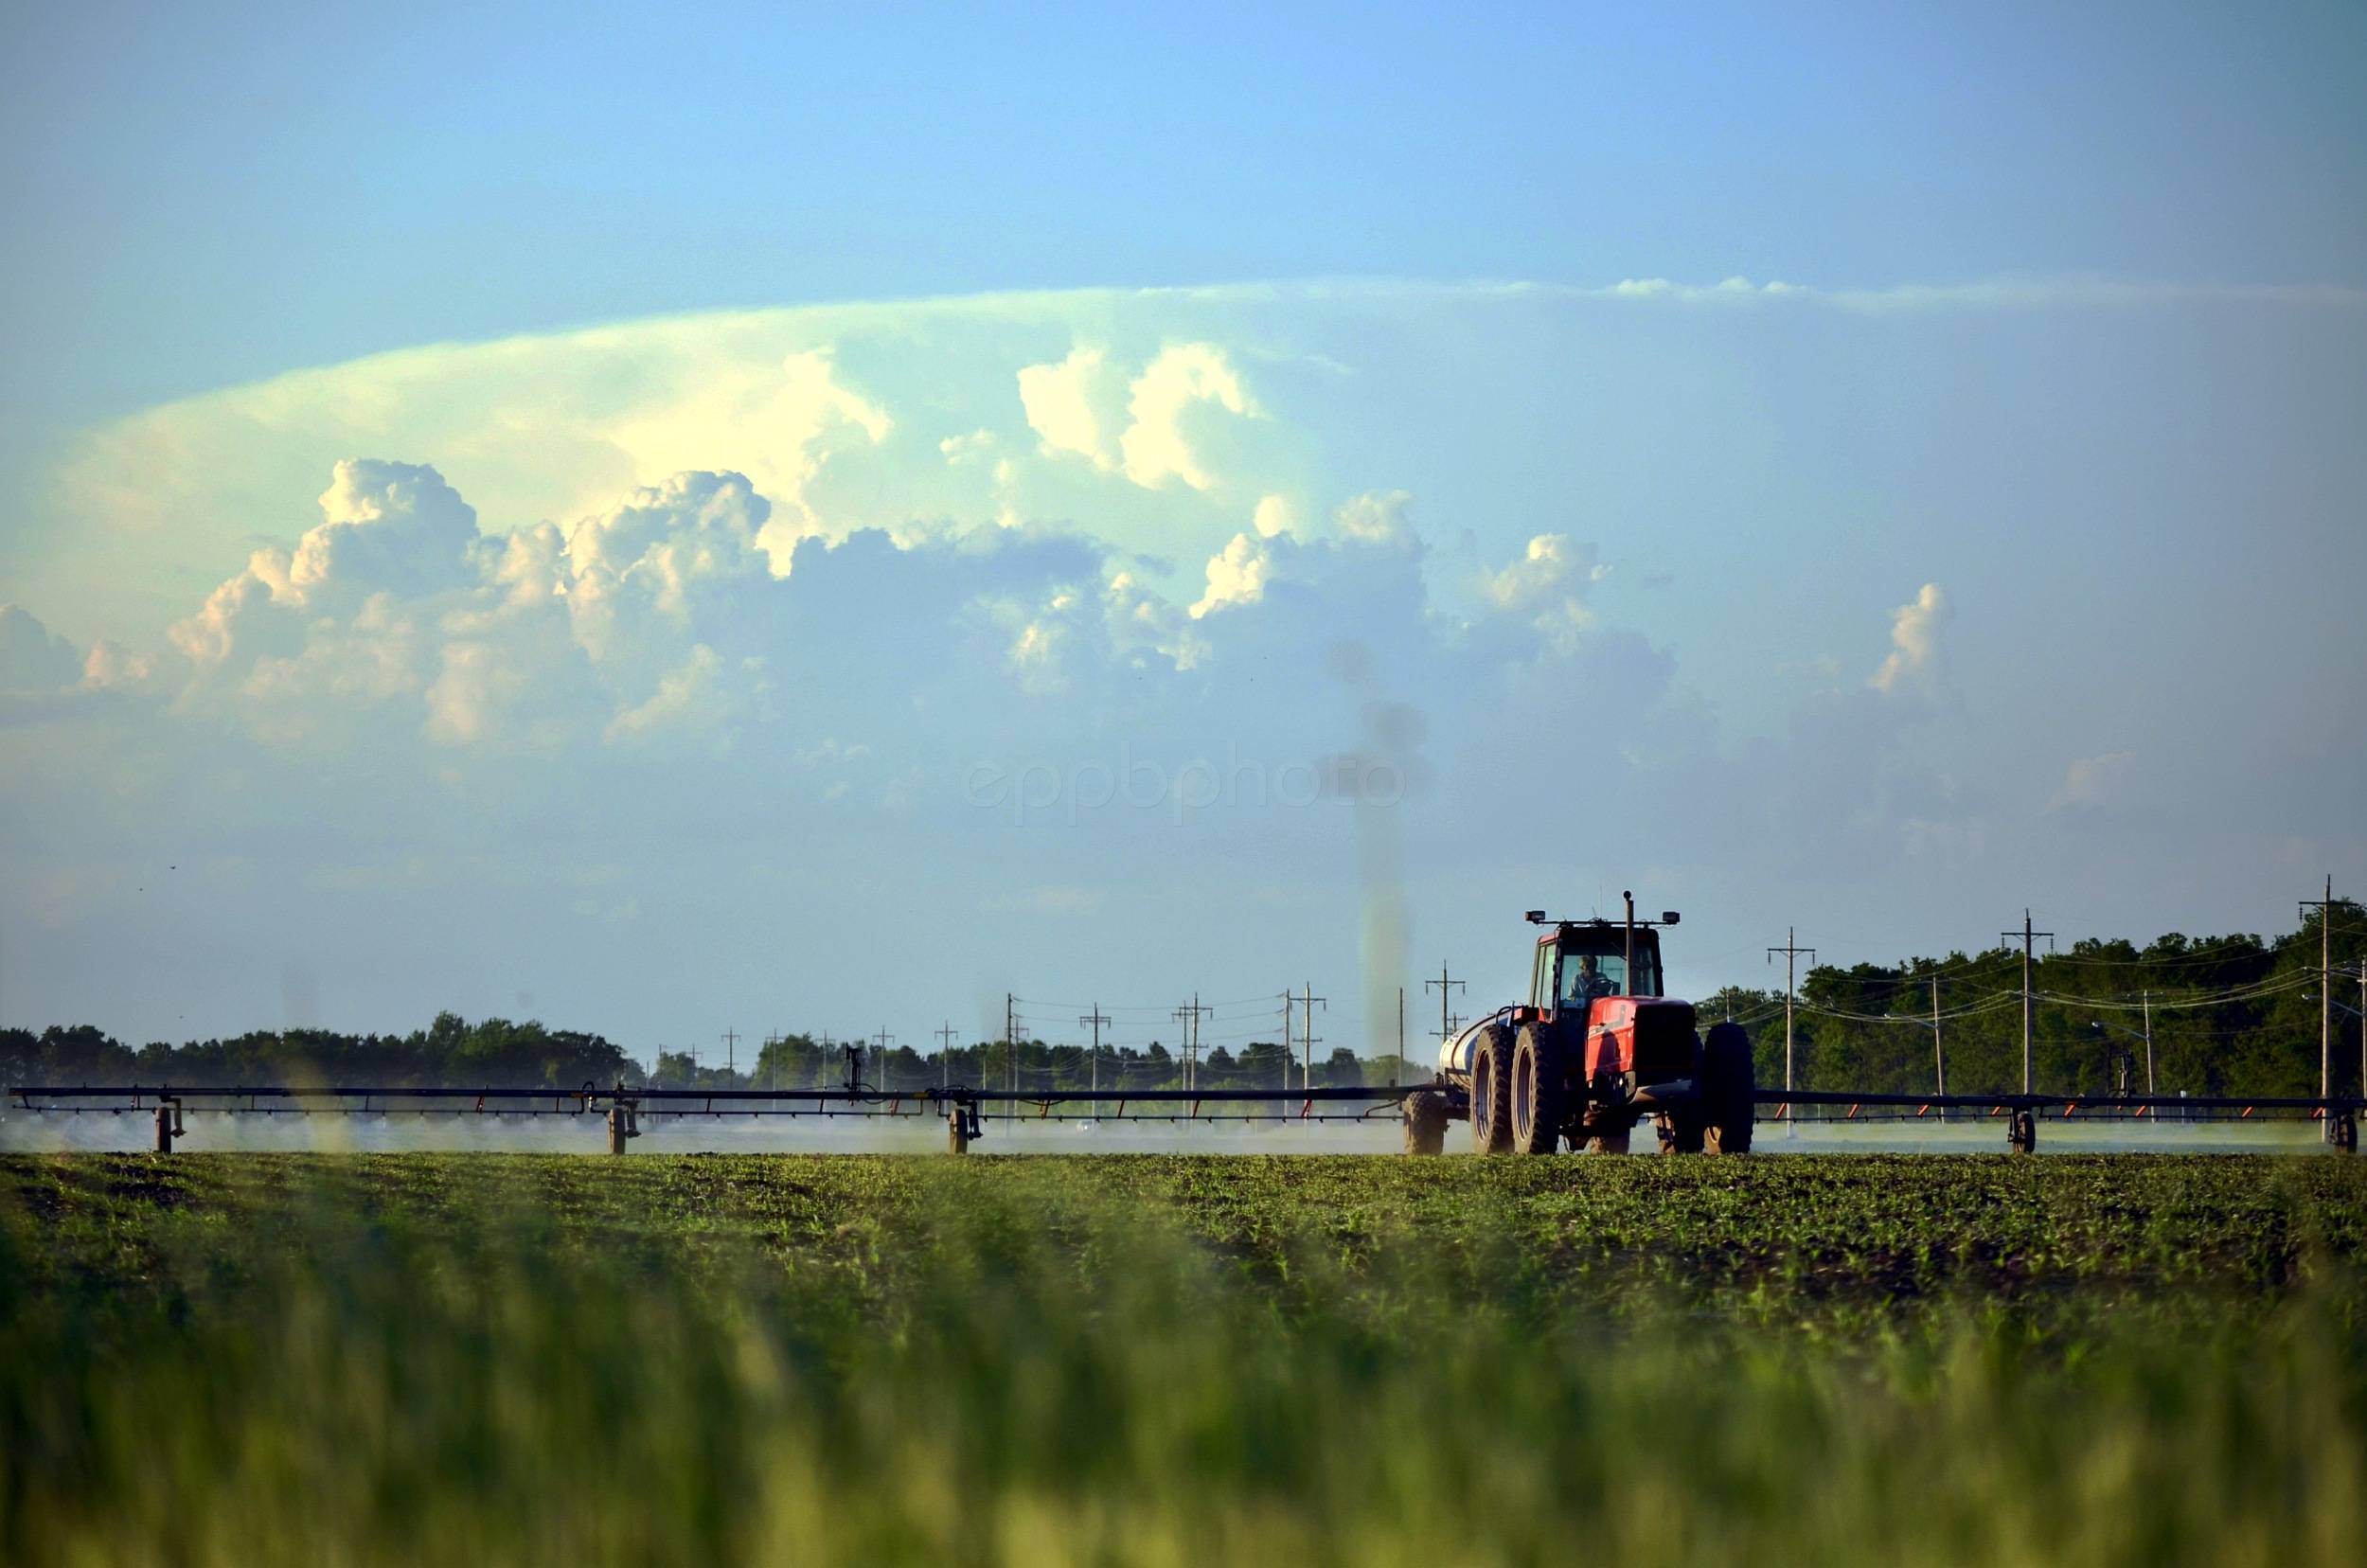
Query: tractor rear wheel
[1491,1090]
[1426,1122]
[1538,1093]
[1729,1090]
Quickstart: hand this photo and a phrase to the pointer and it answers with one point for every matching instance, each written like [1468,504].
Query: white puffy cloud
[1916,658]
[249,617]
[386,527]
[1547,586]
[395,603]
[1275,515]
[1236,574]
[1155,446]
[1374,527]
[1071,405]
[112,666]
[686,542]
[1142,624]
[778,424]
[1376,517]
[1550,567]
[1064,401]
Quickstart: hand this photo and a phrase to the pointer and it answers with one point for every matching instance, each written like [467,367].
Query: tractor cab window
[1586,977]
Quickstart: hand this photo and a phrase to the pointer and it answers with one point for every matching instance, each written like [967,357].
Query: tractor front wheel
[1729,1090]
[1491,1090]
[1537,1092]
[1609,1123]
[1426,1122]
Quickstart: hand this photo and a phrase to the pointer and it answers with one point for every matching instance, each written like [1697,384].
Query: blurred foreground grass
[260,1360]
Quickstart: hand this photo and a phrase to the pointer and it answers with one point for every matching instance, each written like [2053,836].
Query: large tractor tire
[1426,1122]
[1729,1090]
[1491,1090]
[1540,1097]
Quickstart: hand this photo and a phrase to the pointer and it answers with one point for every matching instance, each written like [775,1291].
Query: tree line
[2218,1015]
[2223,1015]
[448,1053]
[498,1053]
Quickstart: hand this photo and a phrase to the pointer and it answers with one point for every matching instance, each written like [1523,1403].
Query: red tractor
[1594,1050]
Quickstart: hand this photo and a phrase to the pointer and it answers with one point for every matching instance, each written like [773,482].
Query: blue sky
[1211,386]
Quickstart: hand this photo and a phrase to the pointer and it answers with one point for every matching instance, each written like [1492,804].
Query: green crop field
[262,1359]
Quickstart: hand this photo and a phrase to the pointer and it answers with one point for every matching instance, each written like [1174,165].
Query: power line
[2002,1000]
[2276,986]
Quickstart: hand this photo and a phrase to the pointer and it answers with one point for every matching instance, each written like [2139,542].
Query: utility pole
[1190,1013]
[1011,1050]
[1281,1112]
[2144,1000]
[945,1055]
[1445,983]
[1791,950]
[1400,1067]
[1939,1057]
[1096,1018]
[731,1054]
[1307,1003]
[2029,1006]
[884,1040]
[2325,998]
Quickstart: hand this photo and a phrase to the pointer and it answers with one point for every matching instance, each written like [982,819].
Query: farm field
[1156,1359]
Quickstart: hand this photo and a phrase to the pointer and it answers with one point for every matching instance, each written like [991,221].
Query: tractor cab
[1596,985]
[1580,962]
